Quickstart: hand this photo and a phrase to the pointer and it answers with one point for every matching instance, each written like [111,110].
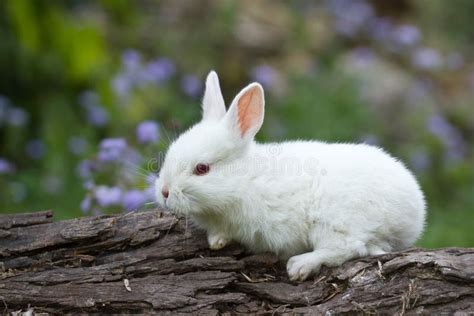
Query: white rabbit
[309,201]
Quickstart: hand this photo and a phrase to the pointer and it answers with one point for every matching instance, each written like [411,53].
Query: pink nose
[165,193]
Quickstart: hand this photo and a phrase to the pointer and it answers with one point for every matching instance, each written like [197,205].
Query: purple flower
[88,184]
[361,57]
[4,101]
[148,132]
[449,136]
[150,190]
[150,194]
[265,75]
[420,161]
[134,199]
[6,167]
[112,149]
[159,70]
[35,149]
[151,179]
[97,115]
[77,145]
[122,85]
[406,35]
[17,117]
[351,15]
[191,85]
[370,139]
[86,204]
[107,196]
[85,169]
[134,74]
[131,59]
[88,98]
[440,127]
[380,29]
[14,116]
[427,59]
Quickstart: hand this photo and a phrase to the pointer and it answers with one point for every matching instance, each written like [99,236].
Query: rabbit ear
[213,106]
[246,113]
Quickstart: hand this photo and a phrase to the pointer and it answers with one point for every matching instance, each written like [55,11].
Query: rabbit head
[196,175]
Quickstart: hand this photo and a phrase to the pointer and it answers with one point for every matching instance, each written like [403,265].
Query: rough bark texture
[150,262]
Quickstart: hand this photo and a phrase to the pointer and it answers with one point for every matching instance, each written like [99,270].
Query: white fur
[309,201]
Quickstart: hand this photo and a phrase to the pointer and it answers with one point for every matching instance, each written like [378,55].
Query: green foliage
[325,107]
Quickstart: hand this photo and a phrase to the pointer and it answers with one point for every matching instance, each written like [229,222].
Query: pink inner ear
[250,109]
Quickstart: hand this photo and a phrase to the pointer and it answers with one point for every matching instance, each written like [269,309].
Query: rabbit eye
[201,169]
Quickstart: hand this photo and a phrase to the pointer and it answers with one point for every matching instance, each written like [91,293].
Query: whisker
[185,229]
[174,131]
[133,170]
[136,173]
[167,142]
[140,207]
[167,136]
[138,168]
[186,224]
[171,225]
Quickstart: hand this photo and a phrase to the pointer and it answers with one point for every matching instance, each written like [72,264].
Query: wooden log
[151,262]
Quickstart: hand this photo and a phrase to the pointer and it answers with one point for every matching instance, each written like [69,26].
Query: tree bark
[151,262]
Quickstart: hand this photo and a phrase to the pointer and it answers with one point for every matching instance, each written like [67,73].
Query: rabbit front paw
[217,241]
[302,266]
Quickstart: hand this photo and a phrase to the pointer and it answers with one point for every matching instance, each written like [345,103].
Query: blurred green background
[92,91]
